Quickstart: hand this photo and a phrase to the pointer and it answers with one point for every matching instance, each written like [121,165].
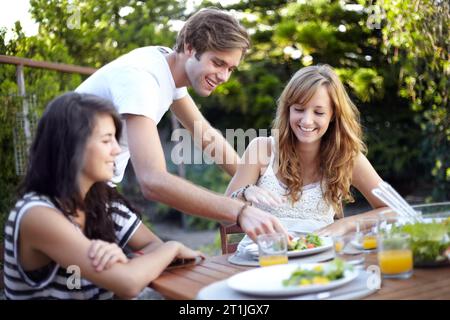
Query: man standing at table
[146,82]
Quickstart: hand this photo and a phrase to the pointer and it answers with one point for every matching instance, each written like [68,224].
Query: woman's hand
[337,228]
[187,253]
[105,254]
[260,196]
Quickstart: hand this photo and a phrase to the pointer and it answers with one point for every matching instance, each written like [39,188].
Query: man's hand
[255,222]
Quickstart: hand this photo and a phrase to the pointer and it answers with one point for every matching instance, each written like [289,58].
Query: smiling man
[146,82]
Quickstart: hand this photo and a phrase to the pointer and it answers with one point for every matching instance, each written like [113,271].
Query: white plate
[356,244]
[268,281]
[327,243]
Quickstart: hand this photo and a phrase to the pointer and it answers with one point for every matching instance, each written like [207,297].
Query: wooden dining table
[184,283]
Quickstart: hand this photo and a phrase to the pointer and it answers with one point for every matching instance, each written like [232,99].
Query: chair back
[229,246]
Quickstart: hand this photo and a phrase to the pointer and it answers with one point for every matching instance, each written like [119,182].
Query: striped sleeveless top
[54,281]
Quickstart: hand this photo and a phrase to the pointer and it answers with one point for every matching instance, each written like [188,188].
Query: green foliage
[366,83]
[418,43]
[210,177]
[8,178]
[212,249]
[106,28]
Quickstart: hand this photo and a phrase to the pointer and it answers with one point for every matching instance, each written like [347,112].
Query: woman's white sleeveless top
[309,213]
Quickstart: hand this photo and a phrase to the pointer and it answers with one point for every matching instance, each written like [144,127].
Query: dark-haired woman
[64,237]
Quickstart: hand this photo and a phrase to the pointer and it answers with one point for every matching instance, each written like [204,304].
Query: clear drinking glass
[366,233]
[272,249]
[395,256]
[345,251]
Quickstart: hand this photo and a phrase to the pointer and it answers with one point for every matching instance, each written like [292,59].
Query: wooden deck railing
[24,62]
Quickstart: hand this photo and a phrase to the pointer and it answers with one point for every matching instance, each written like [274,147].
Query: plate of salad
[293,279]
[300,246]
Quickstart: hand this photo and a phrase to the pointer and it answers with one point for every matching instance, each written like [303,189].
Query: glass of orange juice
[395,256]
[272,249]
[344,251]
[366,233]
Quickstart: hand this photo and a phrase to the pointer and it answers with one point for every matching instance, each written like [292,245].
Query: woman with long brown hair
[64,238]
[303,173]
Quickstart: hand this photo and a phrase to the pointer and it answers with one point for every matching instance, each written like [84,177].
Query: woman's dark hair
[56,158]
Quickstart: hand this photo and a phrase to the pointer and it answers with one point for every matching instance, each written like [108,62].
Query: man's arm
[159,185]
[210,140]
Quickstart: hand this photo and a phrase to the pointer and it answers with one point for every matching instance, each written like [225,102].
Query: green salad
[305,242]
[320,274]
[429,241]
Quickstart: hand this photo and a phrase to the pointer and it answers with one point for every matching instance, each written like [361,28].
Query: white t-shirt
[140,83]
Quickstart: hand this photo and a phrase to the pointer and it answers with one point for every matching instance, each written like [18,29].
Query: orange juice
[395,261]
[338,246]
[265,261]
[369,242]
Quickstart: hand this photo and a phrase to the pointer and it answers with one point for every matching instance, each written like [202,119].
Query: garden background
[392,55]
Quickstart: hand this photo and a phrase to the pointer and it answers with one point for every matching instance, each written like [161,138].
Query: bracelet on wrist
[245,189]
[241,211]
[240,192]
[235,194]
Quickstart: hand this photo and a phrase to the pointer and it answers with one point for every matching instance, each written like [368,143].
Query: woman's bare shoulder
[259,152]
